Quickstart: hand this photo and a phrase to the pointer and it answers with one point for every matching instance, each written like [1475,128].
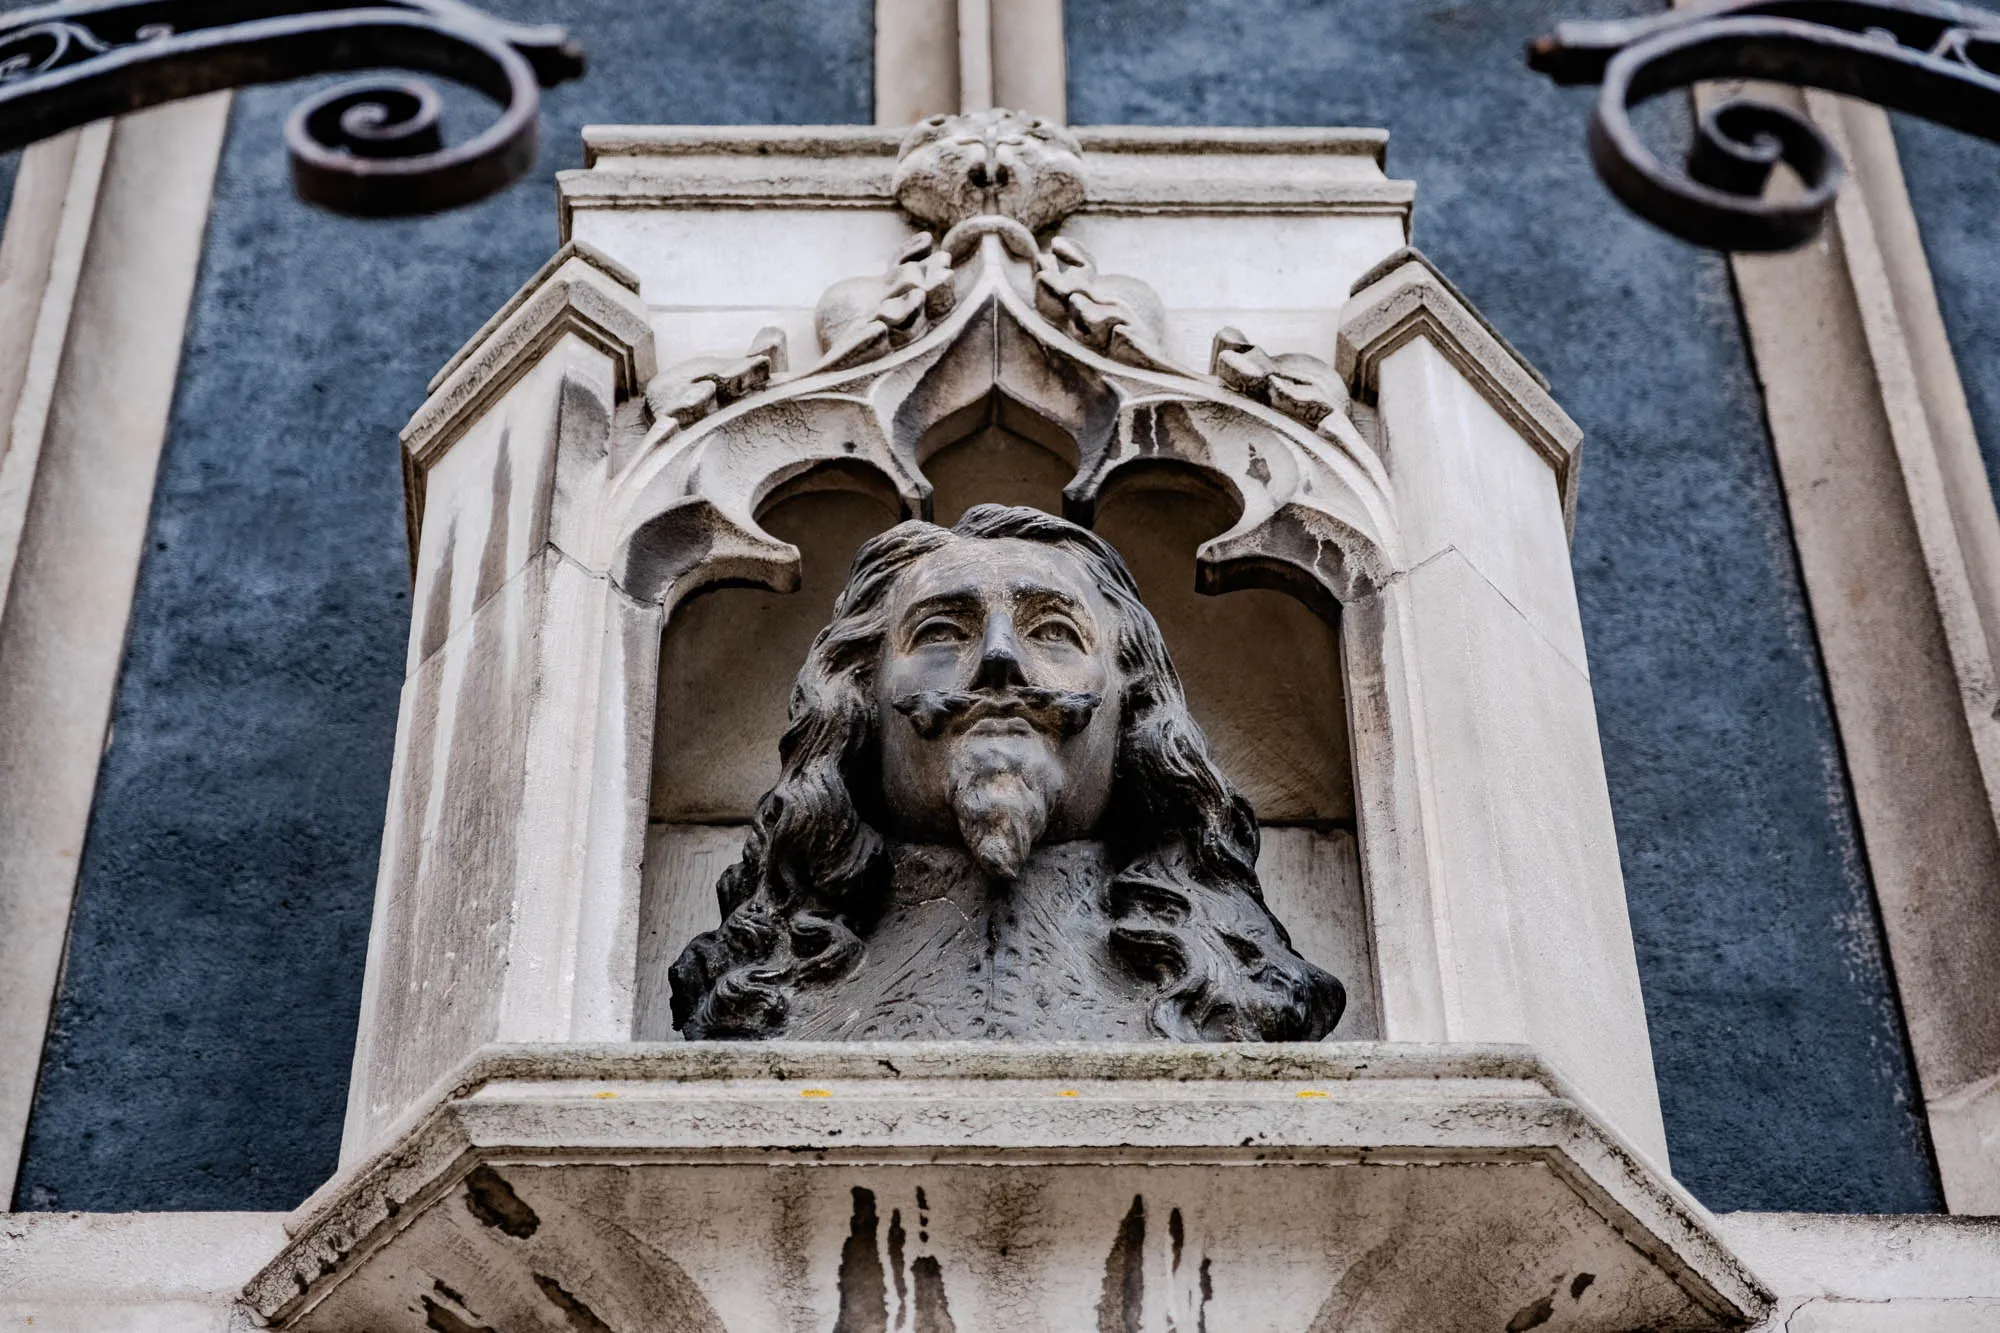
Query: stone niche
[1345,499]
[1262,670]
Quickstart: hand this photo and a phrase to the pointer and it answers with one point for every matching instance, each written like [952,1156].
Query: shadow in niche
[1262,673]
[1262,670]
[996,452]
[1264,679]
[729,655]
[727,661]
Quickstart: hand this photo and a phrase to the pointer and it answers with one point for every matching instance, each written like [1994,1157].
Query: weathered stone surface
[131,1272]
[1836,1273]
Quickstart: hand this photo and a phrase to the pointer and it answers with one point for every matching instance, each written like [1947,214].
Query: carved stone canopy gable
[996,818]
[988,313]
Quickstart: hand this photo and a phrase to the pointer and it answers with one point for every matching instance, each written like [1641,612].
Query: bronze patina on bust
[996,818]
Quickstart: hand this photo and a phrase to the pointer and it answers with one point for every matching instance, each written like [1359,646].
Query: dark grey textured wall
[1783,1068]
[200,1048]
[1951,180]
[10,166]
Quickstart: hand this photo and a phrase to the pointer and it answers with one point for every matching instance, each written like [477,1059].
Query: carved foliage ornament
[1089,355]
[1007,175]
[1003,163]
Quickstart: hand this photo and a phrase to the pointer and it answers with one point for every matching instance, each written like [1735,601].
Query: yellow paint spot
[1311,1093]
[1067,1092]
[814,1092]
[603,1096]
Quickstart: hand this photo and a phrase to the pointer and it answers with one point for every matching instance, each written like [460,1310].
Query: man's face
[998,701]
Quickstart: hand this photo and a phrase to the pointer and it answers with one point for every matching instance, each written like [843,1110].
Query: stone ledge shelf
[974,1186]
[1134,168]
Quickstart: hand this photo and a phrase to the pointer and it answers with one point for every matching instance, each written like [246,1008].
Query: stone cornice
[663,1107]
[1406,297]
[1130,169]
[601,142]
[578,291]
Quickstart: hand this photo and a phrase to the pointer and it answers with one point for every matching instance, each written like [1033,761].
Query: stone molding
[185,1272]
[519,1121]
[132,1272]
[1406,297]
[581,292]
[528,290]
[1132,169]
[1853,1273]
[1899,548]
[97,271]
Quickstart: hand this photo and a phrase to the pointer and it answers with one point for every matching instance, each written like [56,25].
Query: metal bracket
[370,148]
[1930,58]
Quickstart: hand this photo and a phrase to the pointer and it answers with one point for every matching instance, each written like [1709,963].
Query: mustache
[1060,713]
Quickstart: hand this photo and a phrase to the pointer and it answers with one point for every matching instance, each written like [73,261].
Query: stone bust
[996,818]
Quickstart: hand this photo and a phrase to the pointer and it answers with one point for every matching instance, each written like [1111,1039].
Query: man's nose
[999,656]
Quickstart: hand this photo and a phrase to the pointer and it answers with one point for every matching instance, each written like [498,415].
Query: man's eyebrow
[955,599]
[1042,594]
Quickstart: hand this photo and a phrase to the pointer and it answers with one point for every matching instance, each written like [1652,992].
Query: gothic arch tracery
[990,313]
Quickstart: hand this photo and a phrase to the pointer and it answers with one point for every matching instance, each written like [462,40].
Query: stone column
[1522,892]
[507,904]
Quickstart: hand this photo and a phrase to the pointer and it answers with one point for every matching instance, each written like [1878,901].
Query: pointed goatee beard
[1001,791]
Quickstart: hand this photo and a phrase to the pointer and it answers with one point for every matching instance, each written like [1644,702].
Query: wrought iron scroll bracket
[372,148]
[1930,58]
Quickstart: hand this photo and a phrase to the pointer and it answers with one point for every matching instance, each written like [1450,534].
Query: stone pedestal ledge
[751,1187]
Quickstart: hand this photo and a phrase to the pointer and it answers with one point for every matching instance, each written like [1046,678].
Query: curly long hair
[1186,910]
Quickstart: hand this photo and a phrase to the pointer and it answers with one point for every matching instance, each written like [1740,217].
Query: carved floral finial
[860,319]
[1006,162]
[1119,316]
[1303,387]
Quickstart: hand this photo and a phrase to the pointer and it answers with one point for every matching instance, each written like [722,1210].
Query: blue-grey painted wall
[10,166]
[200,1048]
[1783,1068]
[201,1043]
[1952,181]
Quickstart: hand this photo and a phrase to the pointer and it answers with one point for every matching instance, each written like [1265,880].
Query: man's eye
[938,631]
[1056,631]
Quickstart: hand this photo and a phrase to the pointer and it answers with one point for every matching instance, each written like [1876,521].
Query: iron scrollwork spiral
[1933,59]
[372,148]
